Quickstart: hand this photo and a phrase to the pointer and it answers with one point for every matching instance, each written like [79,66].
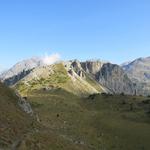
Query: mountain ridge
[114,78]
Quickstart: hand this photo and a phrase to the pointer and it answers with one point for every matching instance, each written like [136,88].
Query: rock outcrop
[92,67]
[114,78]
[24,105]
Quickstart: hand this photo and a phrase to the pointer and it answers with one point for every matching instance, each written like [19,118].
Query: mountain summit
[139,72]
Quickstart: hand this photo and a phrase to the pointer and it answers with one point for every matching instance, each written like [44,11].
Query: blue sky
[114,30]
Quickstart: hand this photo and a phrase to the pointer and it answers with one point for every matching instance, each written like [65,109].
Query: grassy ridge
[58,77]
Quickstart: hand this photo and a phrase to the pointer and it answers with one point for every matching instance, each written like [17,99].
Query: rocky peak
[139,72]
[92,66]
[20,70]
[113,77]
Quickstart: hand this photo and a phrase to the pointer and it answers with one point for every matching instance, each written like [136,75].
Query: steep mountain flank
[92,67]
[58,76]
[114,78]
[139,72]
[110,76]
[20,70]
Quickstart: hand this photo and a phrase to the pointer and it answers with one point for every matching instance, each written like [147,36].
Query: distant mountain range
[82,78]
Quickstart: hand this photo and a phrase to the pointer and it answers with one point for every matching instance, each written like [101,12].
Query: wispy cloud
[51,59]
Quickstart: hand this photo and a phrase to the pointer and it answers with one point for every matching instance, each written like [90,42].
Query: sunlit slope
[57,76]
[98,122]
[19,131]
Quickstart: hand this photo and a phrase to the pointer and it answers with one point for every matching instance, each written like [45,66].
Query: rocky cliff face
[92,67]
[110,76]
[114,78]
[139,72]
[139,69]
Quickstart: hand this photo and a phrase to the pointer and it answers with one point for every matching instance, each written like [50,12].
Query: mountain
[108,75]
[114,78]
[92,67]
[56,76]
[19,70]
[139,72]
[80,78]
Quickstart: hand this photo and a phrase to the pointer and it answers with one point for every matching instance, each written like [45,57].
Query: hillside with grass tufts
[20,131]
[100,121]
[57,76]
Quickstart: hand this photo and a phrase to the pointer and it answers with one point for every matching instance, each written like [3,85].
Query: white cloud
[51,59]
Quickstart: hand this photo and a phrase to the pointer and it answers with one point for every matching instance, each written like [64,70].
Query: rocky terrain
[20,70]
[82,77]
[108,75]
[139,72]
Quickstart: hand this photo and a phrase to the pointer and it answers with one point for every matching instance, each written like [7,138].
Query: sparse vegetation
[97,122]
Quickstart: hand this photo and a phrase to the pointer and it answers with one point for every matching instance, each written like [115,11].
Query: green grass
[13,121]
[94,83]
[57,79]
[21,132]
[101,122]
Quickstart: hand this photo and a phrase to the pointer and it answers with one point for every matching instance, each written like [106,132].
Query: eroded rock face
[108,75]
[114,78]
[92,67]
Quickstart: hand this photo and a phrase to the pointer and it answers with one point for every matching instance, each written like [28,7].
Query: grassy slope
[18,131]
[99,122]
[59,78]
[13,122]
